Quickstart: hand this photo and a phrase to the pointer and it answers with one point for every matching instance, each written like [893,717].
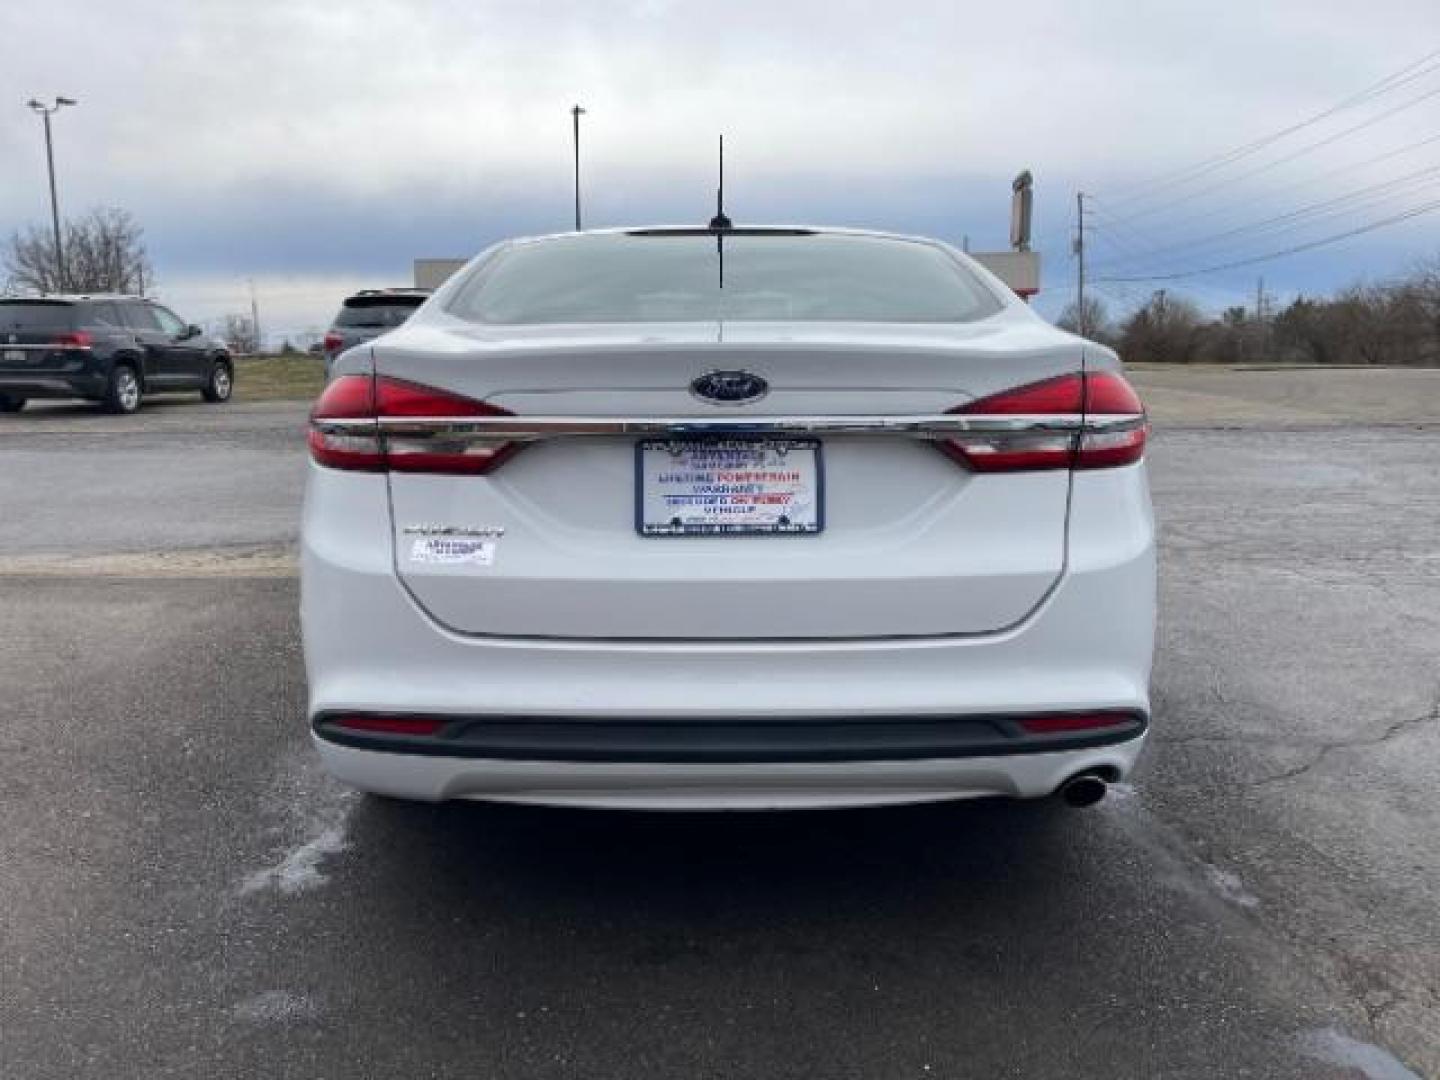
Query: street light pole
[45,111]
[575,113]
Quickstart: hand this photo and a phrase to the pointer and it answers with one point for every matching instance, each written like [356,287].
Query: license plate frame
[811,524]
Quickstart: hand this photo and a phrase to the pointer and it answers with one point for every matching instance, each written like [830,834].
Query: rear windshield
[742,277]
[378,311]
[35,315]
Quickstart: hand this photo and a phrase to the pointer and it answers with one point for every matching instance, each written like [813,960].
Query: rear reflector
[361,447]
[390,725]
[1068,722]
[1074,396]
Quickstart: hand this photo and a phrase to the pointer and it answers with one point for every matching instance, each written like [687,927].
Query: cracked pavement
[1326,749]
[182,892]
[1298,696]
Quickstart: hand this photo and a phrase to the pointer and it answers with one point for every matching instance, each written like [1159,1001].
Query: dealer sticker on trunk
[452,550]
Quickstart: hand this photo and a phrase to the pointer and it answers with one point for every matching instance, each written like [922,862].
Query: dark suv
[110,349]
[367,315]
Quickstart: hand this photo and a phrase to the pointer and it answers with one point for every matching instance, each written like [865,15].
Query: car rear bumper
[720,785]
[370,649]
[85,385]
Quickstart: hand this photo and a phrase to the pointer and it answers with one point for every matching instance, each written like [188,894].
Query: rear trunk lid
[912,543]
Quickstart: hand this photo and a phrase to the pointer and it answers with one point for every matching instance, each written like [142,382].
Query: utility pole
[255,318]
[575,113]
[46,111]
[1081,322]
[1260,316]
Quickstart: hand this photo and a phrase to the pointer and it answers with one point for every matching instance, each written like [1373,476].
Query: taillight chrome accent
[920,426]
[405,427]
[349,400]
[1111,428]
[347,429]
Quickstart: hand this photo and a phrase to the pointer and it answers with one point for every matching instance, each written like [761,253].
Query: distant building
[1018,269]
[432,273]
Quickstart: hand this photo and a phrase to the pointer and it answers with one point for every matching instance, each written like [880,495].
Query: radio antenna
[720,221]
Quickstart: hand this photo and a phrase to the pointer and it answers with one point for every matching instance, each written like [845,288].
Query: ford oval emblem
[729,387]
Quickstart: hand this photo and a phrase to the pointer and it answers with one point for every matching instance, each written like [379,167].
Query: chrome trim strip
[533,428]
[19,381]
[32,347]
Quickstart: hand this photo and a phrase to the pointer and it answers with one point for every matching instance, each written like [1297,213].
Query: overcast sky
[318,145]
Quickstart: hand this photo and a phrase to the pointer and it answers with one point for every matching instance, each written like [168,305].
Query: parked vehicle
[728,518]
[368,314]
[112,349]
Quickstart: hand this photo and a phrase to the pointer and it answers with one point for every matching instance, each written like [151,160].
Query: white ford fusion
[728,518]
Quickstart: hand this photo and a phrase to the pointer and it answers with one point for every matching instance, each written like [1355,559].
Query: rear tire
[10,403]
[123,394]
[221,383]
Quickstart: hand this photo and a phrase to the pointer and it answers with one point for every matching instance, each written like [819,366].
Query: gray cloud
[325,137]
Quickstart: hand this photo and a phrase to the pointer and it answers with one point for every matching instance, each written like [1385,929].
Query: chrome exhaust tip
[1086,789]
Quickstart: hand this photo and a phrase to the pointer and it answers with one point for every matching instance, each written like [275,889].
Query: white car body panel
[932,592]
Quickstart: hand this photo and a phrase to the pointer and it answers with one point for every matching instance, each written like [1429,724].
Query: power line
[1310,246]
[1308,148]
[1238,245]
[1390,82]
[1294,218]
[1309,180]
[1141,235]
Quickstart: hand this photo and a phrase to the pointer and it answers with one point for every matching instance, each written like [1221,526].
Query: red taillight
[333,341]
[359,445]
[1067,722]
[350,397]
[390,725]
[76,339]
[1090,395]
[1108,394]
[1062,394]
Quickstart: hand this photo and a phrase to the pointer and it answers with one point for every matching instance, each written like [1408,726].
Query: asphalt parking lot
[182,893]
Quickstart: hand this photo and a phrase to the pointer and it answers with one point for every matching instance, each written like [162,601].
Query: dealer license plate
[718,486]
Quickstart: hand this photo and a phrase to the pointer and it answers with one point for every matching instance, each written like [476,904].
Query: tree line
[1395,323]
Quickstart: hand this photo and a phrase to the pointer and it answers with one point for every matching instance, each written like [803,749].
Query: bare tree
[1168,329]
[104,252]
[240,335]
[1092,322]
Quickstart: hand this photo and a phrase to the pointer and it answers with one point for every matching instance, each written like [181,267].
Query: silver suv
[368,314]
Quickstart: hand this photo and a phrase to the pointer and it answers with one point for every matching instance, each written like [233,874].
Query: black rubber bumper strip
[705,741]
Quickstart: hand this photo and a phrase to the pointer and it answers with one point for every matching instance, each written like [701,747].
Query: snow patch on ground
[276,1007]
[1229,885]
[1122,792]
[300,868]
[1336,1048]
